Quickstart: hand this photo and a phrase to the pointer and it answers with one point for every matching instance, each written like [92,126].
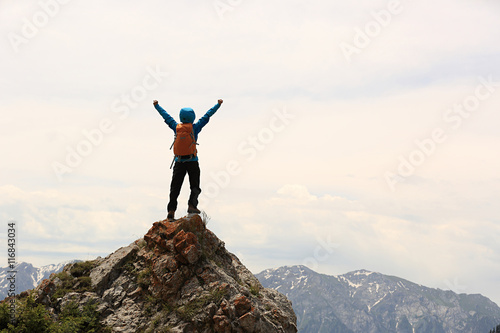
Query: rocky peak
[178,278]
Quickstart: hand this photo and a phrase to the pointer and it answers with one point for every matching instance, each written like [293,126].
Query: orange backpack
[184,142]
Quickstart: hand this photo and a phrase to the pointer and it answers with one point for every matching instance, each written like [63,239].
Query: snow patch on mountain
[370,307]
[27,276]
[353,285]
[363,272]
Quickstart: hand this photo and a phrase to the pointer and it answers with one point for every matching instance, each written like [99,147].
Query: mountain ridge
[365,301]
[28,276]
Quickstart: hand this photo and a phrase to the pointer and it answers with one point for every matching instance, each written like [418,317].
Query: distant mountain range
[360,301]
[27,276]
[364,301]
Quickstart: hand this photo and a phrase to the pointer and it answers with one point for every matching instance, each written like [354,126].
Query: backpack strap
[175,137]
[172,146]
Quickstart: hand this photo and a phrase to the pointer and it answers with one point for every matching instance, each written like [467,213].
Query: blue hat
[187,115]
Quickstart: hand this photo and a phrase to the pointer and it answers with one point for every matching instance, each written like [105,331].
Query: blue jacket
[187,115]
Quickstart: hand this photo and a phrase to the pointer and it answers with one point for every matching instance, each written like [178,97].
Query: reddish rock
[46,288]
[187,245]
[173,229]
[175,280]
[172,264]
[194,224]
[242,305]
[180,258]
[155,238]
[45,285]
[184,239]
[209,276]
[278,316]
[168,286]
[164,264]
[222,324]
[211,243]
[247,322]
[224,287]
[191,253]
[227,309]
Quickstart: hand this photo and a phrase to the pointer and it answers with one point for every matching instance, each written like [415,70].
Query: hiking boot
[170,215]
[193,210]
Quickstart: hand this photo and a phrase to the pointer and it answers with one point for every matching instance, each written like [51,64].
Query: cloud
[333,235]
[316,189]
[72,224]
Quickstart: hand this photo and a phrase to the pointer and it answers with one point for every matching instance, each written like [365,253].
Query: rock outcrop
[178,278]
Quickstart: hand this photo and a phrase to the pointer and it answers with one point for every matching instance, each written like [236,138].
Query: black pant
[193,170]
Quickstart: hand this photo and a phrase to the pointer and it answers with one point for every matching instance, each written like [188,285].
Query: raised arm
[204,120]
[168,119]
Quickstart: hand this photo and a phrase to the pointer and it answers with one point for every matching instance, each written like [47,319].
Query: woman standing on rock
[186,159]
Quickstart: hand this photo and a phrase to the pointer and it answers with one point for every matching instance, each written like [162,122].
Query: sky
[352,136]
